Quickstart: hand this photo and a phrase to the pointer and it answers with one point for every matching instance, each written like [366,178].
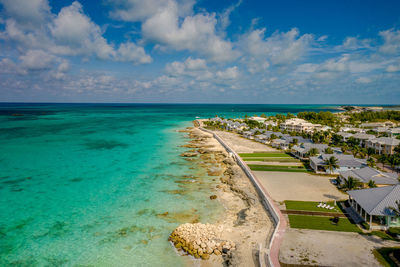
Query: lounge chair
[323,206]
[319,205]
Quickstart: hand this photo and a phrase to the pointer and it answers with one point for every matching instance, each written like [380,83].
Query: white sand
[298,186]
[243,145]
[329,248]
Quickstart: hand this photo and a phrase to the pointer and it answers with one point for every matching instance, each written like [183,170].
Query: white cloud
[195,33]
[36,60]
[229,74]
[393,68]
[73,29]
[279,48]
[363,80]
[30,13]
[132,53]
[391,40]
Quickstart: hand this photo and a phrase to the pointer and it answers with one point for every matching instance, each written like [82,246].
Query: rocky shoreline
[234,239]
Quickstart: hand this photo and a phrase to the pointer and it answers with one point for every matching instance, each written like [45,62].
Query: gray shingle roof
[376,201]
[366,174]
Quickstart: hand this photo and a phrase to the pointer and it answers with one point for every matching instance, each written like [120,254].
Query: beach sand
[244,220]
[243,145]
[299,186]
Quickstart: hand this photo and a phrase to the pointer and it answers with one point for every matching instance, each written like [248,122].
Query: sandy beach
[245,222]
[243,145]
[299,186]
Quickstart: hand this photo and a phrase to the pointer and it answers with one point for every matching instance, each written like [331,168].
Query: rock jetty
[200,240]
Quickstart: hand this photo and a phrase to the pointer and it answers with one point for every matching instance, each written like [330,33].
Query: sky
[204,51]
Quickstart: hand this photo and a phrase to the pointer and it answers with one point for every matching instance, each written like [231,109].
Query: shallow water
[90,185]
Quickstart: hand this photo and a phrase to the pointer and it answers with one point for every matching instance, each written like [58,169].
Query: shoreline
[244,220]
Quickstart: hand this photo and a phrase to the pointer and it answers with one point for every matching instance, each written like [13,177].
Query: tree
[328,150]
[355,151]
[370,151]
[295,141]
[396,210]
[371,162]
[273,136]
[393,161]
[371,184]
[397,148]
[345,147]
[383,159]
[351,183]
[331,164]
[312,152]
[263,115]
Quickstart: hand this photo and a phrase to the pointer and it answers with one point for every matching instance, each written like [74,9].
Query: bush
[394,231]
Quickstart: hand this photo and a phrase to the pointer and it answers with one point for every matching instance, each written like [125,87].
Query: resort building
[367,174]
[375,205]
[345,135]
[285,140]
[383,145]
[352,129]
[297,125]
[345,163]
[378,124]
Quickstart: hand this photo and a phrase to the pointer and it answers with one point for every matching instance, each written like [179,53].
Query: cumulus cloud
[132,53]
[280,48]
[29,13]
[363,80]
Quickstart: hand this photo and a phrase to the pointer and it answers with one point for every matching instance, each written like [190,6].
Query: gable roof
[376,201]
[366,174]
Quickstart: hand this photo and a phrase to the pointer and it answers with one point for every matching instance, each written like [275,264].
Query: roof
[386,141]
[376,201]
[363,136]
[366,174]
[343,160]
[305,147]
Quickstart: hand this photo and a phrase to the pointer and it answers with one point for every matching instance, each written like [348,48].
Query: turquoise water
[87,185]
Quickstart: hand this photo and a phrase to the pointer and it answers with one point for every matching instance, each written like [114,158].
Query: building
[367,174]
[345,135]
[375,205]
[300,151]
[362,138]
[345,162]
[383,145]
[297,125]
[378,124]
[285,140]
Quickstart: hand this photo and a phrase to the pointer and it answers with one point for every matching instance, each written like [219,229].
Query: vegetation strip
[272,159]
[277,168]
[383,256]
[313,213]
[273,155]
[310,206]
[321,223]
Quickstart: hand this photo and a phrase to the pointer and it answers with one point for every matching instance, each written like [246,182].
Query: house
[352,129]
[362,138]
[378,124]
[285,140]
[393,132]
[383,145]
[300,151]
[297,125]
[345,135]
[375,205]
[248,134]
[345,162]
[367,174]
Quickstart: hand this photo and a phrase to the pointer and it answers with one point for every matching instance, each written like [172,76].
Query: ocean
[99,184]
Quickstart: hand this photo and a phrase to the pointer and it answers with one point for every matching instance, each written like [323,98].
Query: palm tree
[345,147]
[396,210]
[383,159]
[355,151]
[371,162]
[393,161]
[331,164]
[371,184]
[351,183]
[312,152]
[328,150]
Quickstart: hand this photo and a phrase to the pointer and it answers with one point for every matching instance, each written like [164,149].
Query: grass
[277,168]
[382,255]
[265,155]
[309,206]
[321,223]
[270,159]
[382,235]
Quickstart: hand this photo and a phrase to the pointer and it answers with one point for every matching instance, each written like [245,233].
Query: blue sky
[200,51]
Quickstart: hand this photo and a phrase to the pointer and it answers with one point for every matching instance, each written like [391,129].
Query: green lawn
[270,154]
[271,159]
[277,168]
[382,255]
[321,223]
[309,206]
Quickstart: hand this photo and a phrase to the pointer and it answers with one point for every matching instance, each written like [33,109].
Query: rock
[205,256]
[213,197]
[188,154]
[217,252]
